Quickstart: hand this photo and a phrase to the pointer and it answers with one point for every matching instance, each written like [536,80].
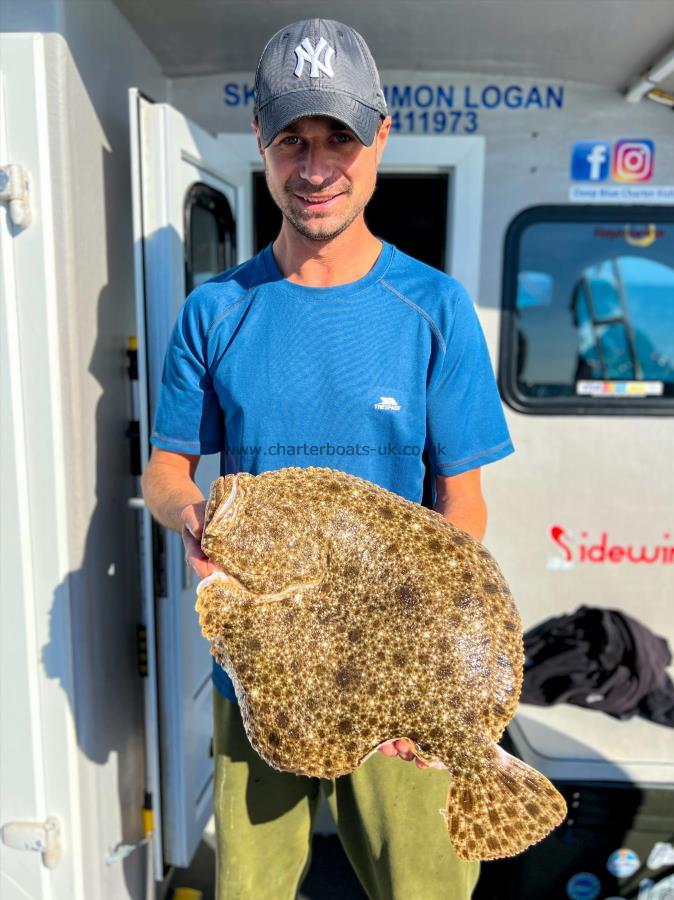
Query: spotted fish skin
[347,616]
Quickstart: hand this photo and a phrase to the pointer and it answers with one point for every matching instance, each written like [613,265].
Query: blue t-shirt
[359,377]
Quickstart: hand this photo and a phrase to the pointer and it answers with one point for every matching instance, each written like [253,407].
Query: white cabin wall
[93,57]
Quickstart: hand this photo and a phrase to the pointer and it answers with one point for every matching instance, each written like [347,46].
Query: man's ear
[256,129]
[382,135]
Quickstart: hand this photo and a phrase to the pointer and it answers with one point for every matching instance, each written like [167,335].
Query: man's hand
[192,517]
[402,749]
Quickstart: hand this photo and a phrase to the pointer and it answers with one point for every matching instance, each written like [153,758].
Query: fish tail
[503,811]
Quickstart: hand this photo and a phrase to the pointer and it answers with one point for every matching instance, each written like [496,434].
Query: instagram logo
[633,160]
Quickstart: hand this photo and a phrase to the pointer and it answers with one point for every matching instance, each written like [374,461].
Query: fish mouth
[225,510]
[225,513]
[226,496]
[209,579]
[294,590]
[219,575]
[232,595]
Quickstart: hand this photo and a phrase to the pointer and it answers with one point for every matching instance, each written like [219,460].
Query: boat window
[210,235]
[588,311]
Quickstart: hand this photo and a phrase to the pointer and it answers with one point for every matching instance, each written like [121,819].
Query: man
[330,347]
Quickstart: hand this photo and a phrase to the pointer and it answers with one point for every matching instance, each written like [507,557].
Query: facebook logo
[590,161]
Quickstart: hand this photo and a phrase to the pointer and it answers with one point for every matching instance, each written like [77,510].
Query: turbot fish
[347,616]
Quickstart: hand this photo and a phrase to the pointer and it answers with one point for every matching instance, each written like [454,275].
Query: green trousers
[386,813]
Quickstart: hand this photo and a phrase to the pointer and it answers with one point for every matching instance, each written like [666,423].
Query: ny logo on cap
[307,53]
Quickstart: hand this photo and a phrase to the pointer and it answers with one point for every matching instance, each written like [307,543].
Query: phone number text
[455,121]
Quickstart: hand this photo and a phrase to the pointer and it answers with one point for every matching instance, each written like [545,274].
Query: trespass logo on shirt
[387,403]
[632,160]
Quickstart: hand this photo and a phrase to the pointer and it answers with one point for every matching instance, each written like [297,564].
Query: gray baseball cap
[318,67]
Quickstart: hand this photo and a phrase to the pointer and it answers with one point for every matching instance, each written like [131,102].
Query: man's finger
[388,749]
[405,750]
[202,567]
[193,519]
[192,524]
[403,746]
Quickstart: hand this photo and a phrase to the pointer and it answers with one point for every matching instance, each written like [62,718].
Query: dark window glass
[210,235]
[588,315]
[205,245]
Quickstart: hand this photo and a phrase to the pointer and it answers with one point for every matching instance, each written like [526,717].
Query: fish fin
[502,813]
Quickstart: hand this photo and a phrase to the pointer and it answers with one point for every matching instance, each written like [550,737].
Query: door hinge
[44,837]
[141,648]
[15,192]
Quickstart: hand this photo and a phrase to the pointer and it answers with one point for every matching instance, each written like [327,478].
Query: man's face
[320,175]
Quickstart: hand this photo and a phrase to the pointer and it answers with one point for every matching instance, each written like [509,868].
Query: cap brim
[276,115]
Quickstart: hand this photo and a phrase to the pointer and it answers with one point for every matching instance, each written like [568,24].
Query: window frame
[507,366]
[215,202]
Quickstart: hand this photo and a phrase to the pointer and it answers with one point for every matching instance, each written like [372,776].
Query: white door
[39,783]
[191,220]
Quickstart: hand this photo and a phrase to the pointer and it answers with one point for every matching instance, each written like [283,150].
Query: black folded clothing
[602,659]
